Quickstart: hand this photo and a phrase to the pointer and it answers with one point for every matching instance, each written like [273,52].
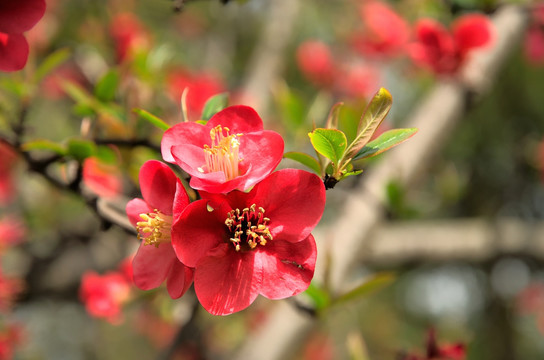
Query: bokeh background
[457,248]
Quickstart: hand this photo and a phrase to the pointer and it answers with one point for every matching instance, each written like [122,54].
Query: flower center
[248,228]
[222,155]
[155,228]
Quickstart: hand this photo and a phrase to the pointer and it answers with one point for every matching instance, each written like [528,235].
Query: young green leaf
[44,144]
[81,149]
[152,119]
[384,142]
[107,86]
[377,282]
[214,104]
[374,114]
[51,62]
[330,143]
[304,159]
[319,297]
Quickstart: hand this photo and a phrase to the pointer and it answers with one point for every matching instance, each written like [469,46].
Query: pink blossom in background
[7,186]
[444,51]
[200,87]
[129,36]
[357,80]
[232,151]
[315,61]
[533,44]
[384,33]
[16,17]
[12,232]
[104,295]
[104,179]
[245,244]
[164,198]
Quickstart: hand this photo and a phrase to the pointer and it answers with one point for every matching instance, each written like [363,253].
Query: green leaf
[44,144]
[51,62]
[332,119]
[81,149]
[78,94]
[319,297]
[107,85]
[351,173]
[107,154]
[374,114]
[377,282]
[304,159]
[330,143]
[214,104]
[158,122]
[384,142]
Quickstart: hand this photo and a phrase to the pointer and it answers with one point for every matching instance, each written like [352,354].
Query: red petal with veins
[227,281]
[158,185]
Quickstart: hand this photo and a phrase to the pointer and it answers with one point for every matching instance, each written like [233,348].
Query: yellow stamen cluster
[222,155]
[248,227]
[155,228]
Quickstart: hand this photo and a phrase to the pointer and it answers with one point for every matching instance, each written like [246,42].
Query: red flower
[7,187]
[11,336]
[444,52]
[534,39]
[10,287]
[438,352]
[164,198]
[238,253]
[232,151]
[385,33]
[104,295]
[12,232]
[315,60]
[16,17]
[357,80]
[129,36]
[102,178]
[200,87]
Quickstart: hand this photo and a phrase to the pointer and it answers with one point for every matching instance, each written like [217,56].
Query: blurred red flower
[232,151]
[384,34]
[164,197]
[434,351]
[16,17]
[315,60]
[7,188]
[239,253]
[129,36]
[534,38]
[12,232]
[200,87]
[10,287]
[11,336]
[104,179]
[357,80]
[444,52]
[103,295]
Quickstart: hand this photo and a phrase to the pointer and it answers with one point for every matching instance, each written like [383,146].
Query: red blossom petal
[238,118]
[294,201]
[134,208]
[471,31]
[181,134]
[179,280]
[18,16]
[102,178]
[435,48]
[158,184]
[288,268]
[151,265]
[227,281]
[13,51]
[198,231]
[315,60]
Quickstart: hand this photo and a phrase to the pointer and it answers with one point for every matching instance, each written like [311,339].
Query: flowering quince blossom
[164,197]
[129,36]
[232,151]
[102,178]
[315,60]
[16,17]
[103,295]
[245,244]
[444,52]
[200,87]
[385,33]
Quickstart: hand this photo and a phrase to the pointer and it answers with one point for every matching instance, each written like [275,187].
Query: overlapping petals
[258,151]
[444,52]
[16,17]
[156,262]
[230,270]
